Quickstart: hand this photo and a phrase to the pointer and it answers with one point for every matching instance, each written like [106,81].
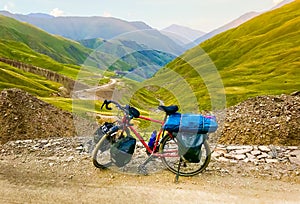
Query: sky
[204,15]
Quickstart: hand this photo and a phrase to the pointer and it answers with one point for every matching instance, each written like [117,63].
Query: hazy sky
[203,15]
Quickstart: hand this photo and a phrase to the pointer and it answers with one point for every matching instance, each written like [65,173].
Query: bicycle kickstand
[142,168]
[177,174]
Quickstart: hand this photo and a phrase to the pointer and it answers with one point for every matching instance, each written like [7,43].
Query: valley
[55,72]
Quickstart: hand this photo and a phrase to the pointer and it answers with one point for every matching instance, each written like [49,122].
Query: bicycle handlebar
[107,102]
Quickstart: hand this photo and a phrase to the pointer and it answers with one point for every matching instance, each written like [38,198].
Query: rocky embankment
[257,154]
[23,116]
[264,120]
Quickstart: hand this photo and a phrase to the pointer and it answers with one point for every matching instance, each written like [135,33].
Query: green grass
[20,52]
[79,107]
[11,77]
[58,48]
[260,57]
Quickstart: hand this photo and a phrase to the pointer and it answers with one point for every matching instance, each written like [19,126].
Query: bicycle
[165,147]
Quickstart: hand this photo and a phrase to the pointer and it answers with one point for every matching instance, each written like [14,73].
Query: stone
[222,159]
[243,151]
[219,152]
[271,160]
[263,156]
[239,156]
[250,156]
[216,154]
[246,160]
[264,148]
[292,147]
[294,160]
[232,161]
[229,156]
[80,148]
[295,153]
[255,152]
[231,147]
[44,141]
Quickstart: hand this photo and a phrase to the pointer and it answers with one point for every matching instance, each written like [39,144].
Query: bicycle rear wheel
[101,153]
[171,158]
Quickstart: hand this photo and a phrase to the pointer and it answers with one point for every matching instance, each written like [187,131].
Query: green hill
[11,77]
[58,48]
[25,43]
[262,56]
[28,45]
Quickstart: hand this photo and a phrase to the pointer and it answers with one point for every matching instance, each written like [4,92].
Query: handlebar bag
[100,132]
[134,112]
[193,123]
[121,152]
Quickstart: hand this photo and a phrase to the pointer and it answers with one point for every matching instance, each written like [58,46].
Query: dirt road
[56,171]
[100,92]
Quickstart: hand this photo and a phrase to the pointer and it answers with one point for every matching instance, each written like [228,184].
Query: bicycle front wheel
[101,153]
[171,158]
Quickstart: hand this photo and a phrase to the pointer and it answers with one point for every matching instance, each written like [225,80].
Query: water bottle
[152,139]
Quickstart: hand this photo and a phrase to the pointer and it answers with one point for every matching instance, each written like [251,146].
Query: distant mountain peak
[140,25]
[235,23]
[40,15]
[182,34]
[184,30]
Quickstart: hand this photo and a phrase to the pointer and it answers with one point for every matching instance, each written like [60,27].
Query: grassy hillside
[11,77]
[259,57]
[24,43]
[58,48]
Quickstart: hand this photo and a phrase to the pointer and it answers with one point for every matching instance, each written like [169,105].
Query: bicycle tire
[101,153]
[186,169]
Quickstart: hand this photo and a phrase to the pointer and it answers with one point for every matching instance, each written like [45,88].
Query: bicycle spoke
[186,168]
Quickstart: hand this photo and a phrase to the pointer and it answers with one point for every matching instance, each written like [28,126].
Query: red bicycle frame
[160,133]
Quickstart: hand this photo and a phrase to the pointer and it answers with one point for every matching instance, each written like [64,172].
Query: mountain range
[107,28]
[121,55]
[174,39]
[127,57]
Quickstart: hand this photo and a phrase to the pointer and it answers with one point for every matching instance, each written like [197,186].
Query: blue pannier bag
[193,123]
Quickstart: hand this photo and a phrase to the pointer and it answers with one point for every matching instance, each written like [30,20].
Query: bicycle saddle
[168,109]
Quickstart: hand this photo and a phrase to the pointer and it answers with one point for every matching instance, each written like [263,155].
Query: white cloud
[106,14]
[277,1]
[9,6]
[56,12]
